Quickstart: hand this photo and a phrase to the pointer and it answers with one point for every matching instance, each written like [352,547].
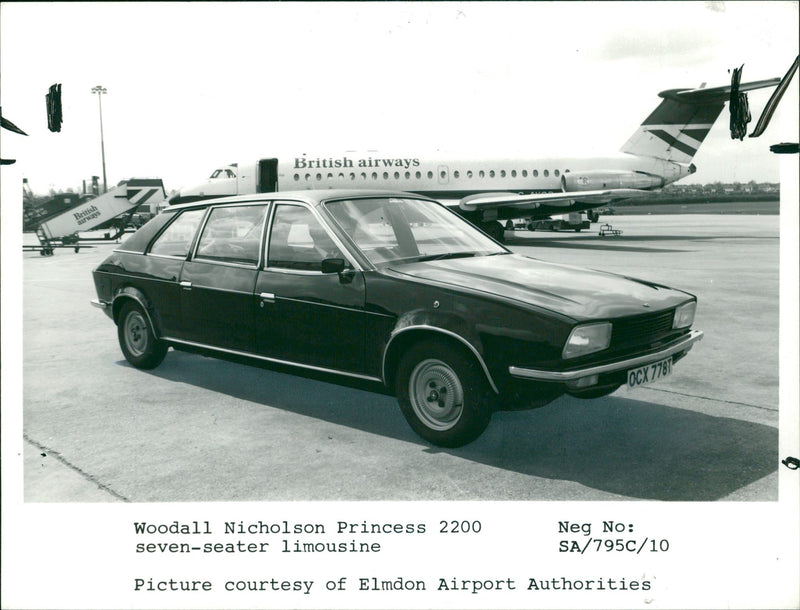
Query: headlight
[684,315]
[587,339]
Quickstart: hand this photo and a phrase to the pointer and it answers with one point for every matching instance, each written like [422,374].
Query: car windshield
[392,229]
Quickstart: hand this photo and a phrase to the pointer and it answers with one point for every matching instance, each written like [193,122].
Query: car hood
[575,292]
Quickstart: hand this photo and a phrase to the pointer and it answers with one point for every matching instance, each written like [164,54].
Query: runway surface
[199,429]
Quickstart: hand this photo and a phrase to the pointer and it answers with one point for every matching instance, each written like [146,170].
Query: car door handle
[186,285]
[267,296]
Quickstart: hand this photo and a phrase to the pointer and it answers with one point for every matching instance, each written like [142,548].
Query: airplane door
[444,174]
[267,175]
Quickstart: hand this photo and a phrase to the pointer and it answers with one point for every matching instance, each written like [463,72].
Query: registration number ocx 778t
[649,373]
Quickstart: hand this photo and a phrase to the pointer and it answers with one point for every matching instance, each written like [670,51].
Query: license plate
[649,373]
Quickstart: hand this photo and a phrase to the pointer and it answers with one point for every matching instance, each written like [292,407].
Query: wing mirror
[338,265]
[333,265]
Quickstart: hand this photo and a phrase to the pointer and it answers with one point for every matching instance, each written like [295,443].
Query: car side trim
[683,344]
[443,331]
[273,360]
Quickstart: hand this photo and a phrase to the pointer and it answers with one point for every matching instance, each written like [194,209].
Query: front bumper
[684,344]
[106,307]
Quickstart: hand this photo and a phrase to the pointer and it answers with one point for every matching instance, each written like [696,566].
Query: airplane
[488,191]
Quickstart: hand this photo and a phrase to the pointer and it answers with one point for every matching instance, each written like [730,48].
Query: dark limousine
[393,288]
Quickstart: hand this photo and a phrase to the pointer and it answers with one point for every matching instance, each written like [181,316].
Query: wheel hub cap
[436,394]
[136,334]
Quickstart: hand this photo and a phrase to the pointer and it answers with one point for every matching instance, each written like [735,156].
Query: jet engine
[595,180]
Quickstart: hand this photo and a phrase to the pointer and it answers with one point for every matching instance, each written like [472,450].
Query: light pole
[100,91]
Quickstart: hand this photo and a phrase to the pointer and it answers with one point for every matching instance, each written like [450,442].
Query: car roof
[312,197]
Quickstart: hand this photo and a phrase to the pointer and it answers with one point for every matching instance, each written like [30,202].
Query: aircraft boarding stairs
[61,231]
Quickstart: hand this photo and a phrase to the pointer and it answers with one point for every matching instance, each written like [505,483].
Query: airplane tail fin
[680,123]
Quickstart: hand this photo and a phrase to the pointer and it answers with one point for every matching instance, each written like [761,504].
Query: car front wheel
[443,393]
[137,339]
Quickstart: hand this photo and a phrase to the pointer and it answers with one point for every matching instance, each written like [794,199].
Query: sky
[192,86]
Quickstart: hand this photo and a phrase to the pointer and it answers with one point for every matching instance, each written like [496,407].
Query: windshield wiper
[439,257]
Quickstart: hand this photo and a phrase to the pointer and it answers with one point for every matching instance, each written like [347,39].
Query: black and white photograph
[400,305]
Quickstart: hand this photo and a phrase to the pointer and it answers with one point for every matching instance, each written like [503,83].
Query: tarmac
[96,429]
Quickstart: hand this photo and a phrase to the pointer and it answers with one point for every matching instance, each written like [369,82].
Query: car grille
[641,330]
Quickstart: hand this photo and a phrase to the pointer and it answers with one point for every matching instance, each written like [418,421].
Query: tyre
[443,393]
[137,339]
[496,231]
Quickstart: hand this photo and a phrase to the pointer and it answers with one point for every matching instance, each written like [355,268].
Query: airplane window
[555,173]
[296,177]
[524,173]
[469,174]
[430,174]
[352,176]
[374,175]
[397,175]
[513,173]
[546,173]
[408,175]
[330,176]
[456,174]
[229,174]
[481,174]
[341,176]
[363,176]
[308,177]
[502,173]
[491,173]
[418,175]
[319,177]
[536,173]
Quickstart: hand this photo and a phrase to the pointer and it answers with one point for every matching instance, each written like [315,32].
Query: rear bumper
[684,344]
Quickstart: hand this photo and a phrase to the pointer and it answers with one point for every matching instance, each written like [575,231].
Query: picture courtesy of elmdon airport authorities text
[337,538]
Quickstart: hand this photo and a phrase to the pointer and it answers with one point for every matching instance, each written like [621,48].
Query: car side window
[298,240]
[177,237]
[233,234]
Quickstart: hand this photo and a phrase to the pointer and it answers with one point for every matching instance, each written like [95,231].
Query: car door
[303,315]
[159,271]
[217,282]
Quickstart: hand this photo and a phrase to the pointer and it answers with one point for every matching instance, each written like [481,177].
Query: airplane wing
[534,200]
[720,94]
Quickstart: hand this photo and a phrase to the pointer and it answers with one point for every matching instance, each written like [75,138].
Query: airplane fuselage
[487,191]
[448,179]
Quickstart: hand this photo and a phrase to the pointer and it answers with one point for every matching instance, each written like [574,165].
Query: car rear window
[177,237]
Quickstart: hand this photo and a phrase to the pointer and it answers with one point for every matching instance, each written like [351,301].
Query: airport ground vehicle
[571,222]
[392,288]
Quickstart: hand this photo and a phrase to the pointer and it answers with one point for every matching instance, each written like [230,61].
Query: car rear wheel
[443,393]
[137,339]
